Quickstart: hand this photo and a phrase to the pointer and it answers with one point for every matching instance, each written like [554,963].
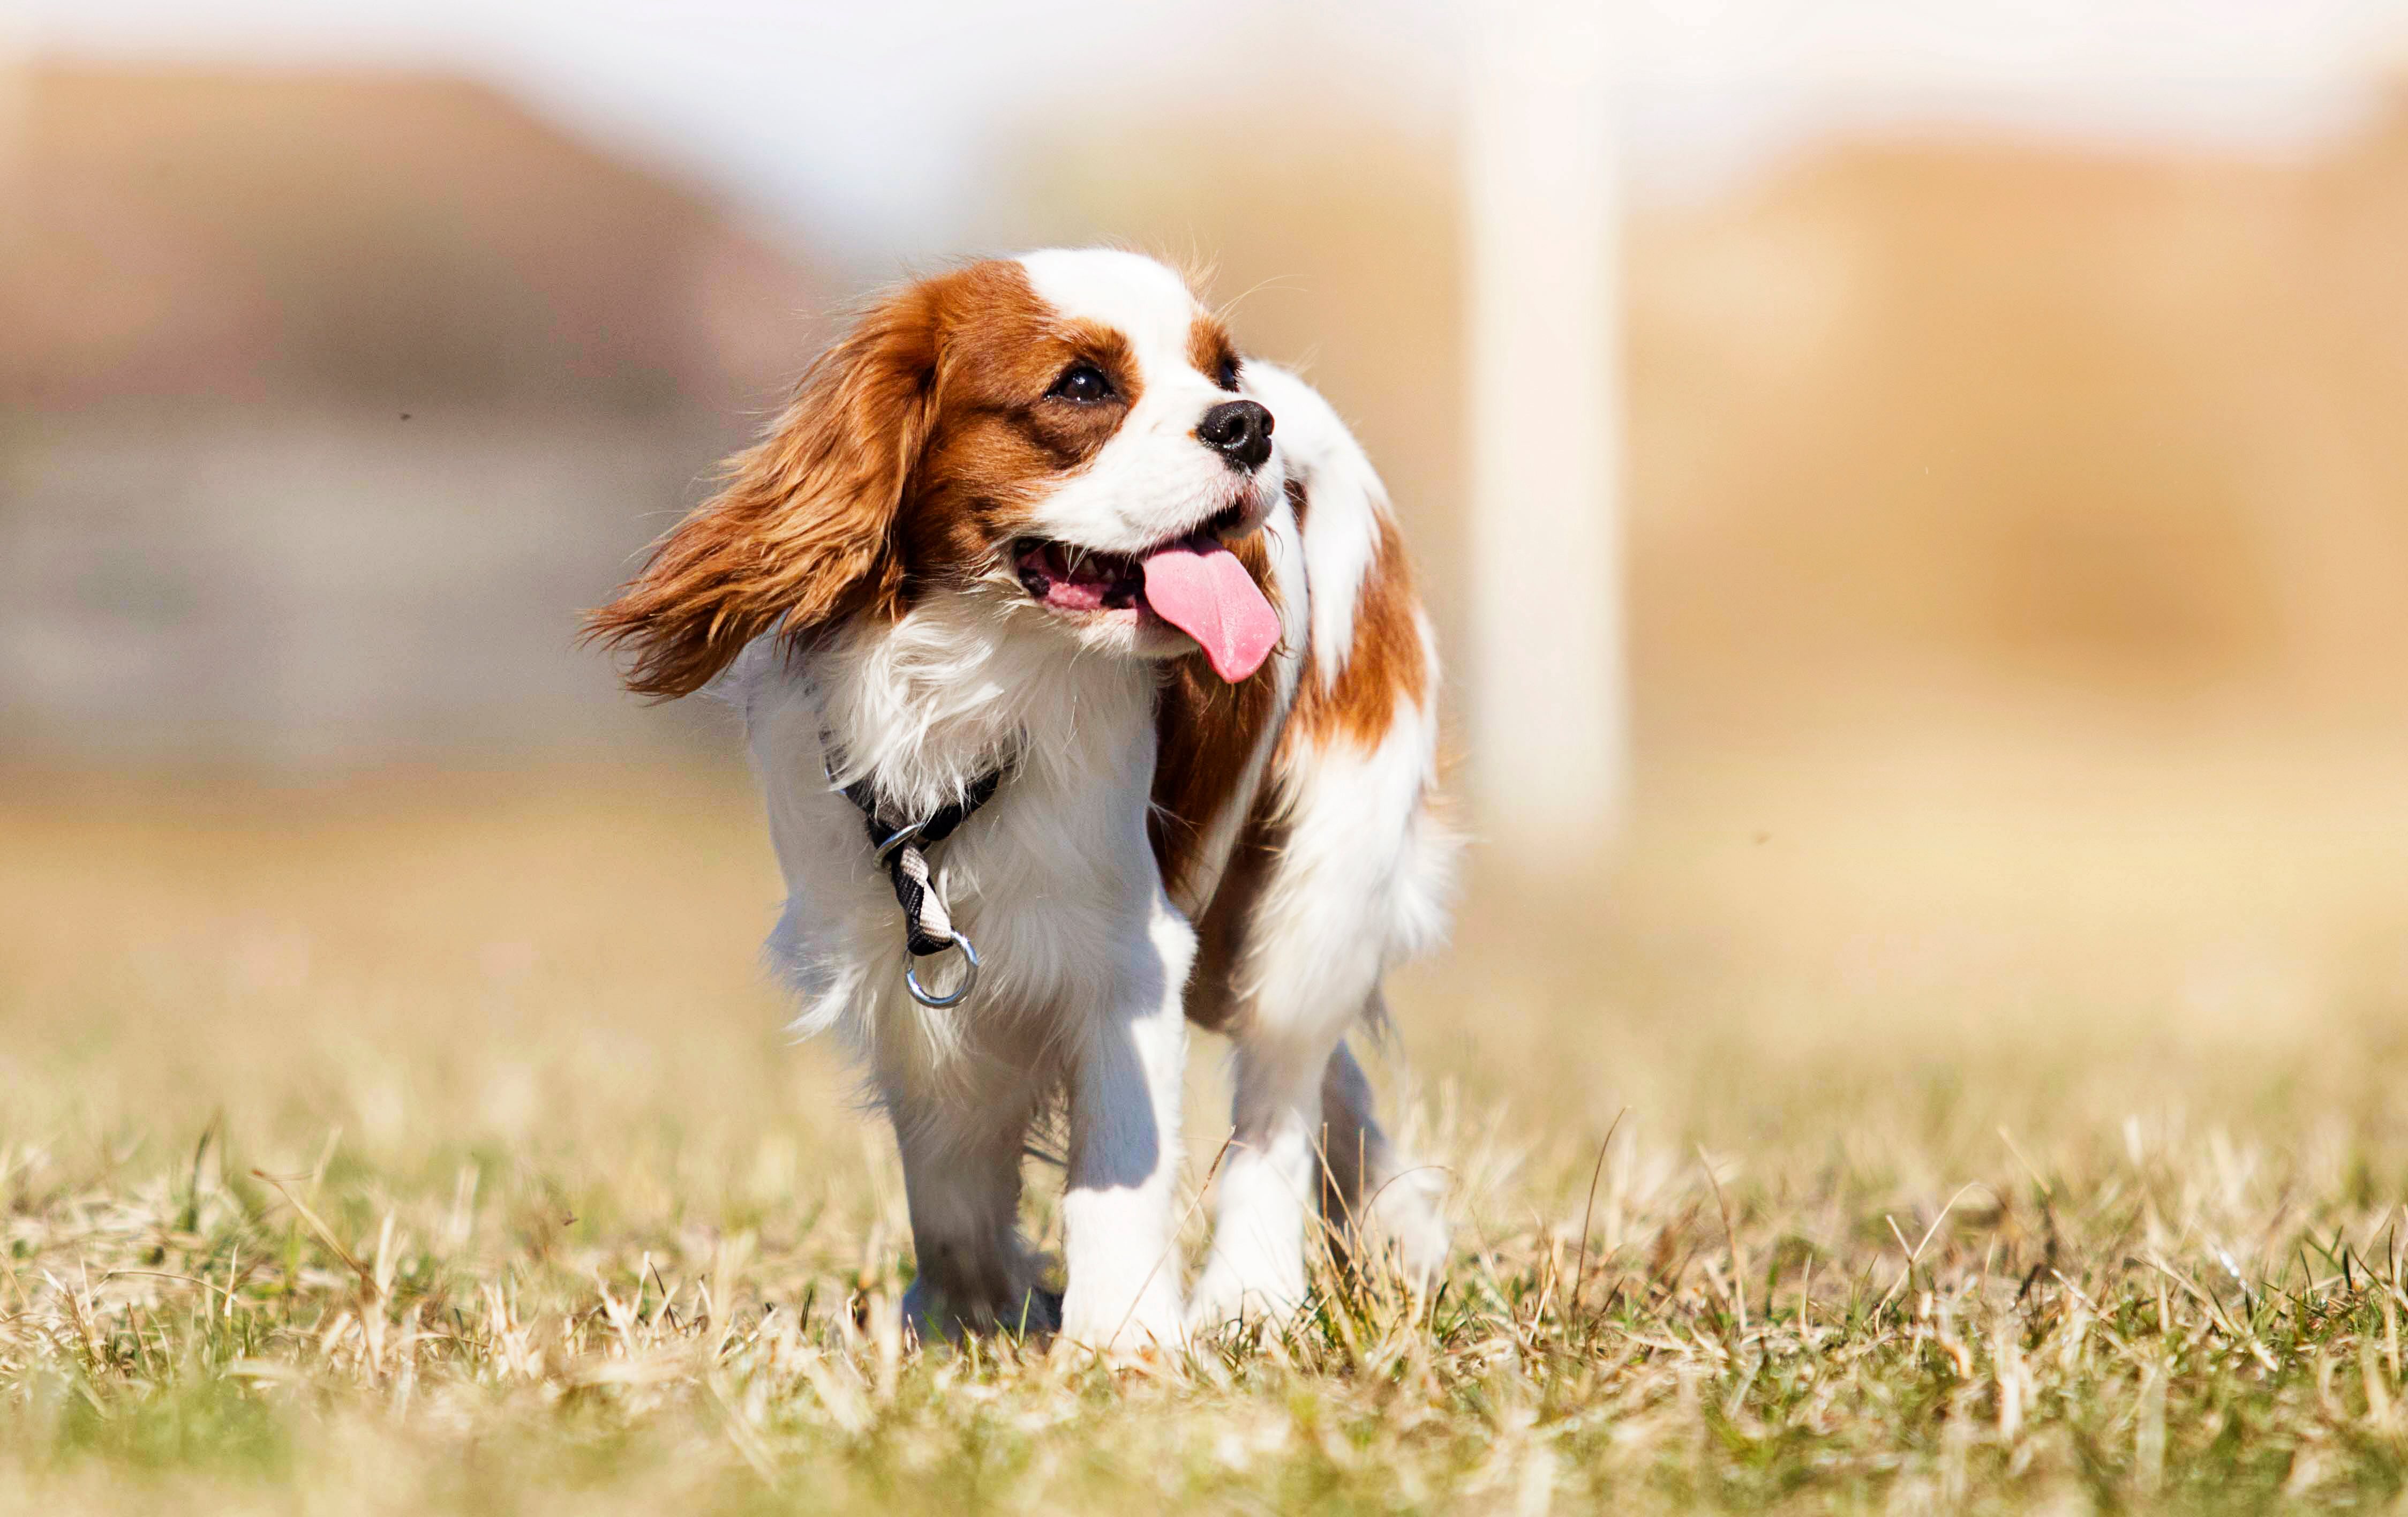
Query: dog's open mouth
[1065,579]
[1194,584]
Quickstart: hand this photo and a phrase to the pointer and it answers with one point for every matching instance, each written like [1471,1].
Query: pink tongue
[1200,588]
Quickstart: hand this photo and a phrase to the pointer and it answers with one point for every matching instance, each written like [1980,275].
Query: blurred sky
[869,123]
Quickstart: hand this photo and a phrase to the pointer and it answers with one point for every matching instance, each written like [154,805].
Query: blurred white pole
[1549,703]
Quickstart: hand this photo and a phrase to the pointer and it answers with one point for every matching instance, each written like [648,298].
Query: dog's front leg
[961,1135]
[1118,1232]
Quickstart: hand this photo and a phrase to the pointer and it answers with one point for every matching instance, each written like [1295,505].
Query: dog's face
[1159,447]
[1063,438]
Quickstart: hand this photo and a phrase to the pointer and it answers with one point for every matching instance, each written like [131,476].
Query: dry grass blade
[1588,1210]
[369,1285]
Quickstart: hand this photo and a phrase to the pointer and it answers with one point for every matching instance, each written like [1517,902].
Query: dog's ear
[804,528]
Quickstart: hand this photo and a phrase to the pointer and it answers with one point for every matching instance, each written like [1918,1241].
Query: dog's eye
[1228,376]
[1083,383]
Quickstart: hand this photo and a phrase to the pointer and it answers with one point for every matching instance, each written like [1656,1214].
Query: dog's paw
[1228,1293]
[936,1317]
[1152,1326]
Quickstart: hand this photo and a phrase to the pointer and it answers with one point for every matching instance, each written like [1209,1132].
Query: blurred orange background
[329,396]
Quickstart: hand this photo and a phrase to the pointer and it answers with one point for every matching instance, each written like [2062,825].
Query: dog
[1081,669]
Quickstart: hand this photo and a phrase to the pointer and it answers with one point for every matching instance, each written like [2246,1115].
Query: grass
[1975,1133]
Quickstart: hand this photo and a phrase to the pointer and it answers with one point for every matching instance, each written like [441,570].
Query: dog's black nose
[1239,431]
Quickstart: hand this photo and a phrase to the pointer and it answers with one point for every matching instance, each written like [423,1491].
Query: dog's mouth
[1064,577]
[1194,583]
[1061,577]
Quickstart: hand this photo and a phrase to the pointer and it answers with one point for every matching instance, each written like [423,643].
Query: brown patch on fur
[1205,730]
[1221,932]
[998,437]
[1209,348]
[911,449]
[1385,662]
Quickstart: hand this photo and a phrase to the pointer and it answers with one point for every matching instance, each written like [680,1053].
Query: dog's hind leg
[1268,1181]
[1378,1204]
[1306,1148]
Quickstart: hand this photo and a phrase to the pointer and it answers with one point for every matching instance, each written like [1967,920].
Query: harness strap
[902,847]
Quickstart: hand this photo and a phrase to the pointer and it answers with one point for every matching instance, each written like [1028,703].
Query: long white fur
[1086,957]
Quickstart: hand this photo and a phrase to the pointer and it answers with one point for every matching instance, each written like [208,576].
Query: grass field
[1987,1133]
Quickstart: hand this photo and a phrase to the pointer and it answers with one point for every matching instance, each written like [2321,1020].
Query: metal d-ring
[908,832]
[969,977]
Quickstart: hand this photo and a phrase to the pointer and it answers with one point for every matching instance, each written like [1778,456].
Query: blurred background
[1996,528]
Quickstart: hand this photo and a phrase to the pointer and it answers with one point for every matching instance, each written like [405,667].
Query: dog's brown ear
[806,526]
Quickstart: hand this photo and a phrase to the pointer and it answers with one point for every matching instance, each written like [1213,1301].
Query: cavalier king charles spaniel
[1081,664]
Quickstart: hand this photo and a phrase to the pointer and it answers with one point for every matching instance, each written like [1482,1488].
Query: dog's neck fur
[959,688]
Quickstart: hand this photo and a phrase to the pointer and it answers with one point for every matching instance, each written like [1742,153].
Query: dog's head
[1065,437]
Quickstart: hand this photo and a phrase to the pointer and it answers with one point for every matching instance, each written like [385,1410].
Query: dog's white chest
[1043,878]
